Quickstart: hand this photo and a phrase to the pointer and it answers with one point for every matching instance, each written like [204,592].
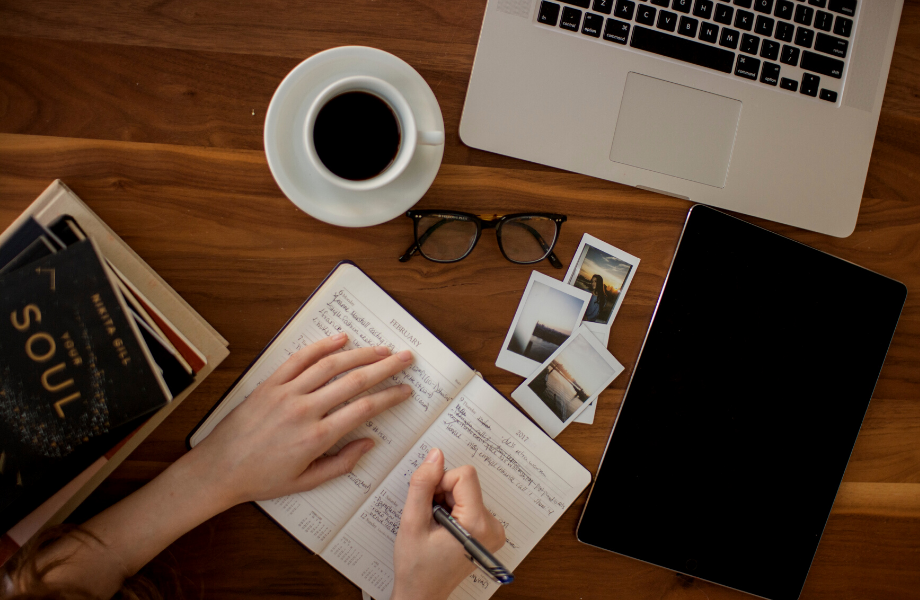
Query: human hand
[271,445]
[429,561]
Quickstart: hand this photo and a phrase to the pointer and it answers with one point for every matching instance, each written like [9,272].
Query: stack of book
[95,351]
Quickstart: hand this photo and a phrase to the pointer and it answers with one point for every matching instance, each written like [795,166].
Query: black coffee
[356,135]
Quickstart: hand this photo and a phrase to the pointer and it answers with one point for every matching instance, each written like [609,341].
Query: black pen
[480,557]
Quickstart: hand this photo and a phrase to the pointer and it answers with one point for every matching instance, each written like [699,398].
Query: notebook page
[527,480]
[349,301]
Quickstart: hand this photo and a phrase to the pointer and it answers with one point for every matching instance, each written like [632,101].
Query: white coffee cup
[410,136]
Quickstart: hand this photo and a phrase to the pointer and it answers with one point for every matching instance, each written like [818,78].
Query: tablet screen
[743,408]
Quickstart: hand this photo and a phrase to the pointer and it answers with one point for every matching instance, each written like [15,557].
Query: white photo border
[534,406]
[518,363]
[602,330]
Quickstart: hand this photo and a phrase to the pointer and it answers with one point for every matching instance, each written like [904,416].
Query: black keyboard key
[747,67]
[784,9]
[831,45]
[703,9]
[818,3]
[824,20]
[724,14]
[709,32]
[617,31]
[603,6]
[789,84]
[744,20]
[571,19]
[804,37]
[683,6]
[581,3]
[593,25]
[664,3]
[810,84]
[764,6]
[744,3]
[769,49]
[683,49]
[729,38]
[549,13]
[750,43]
[625,9]
[667,21]
[645,15]
[829,95]
[764,26]
[770,73]
[803,14]
[785,31]
[843,26]
[822,64]
[844,7]
[790,56]
[688,26]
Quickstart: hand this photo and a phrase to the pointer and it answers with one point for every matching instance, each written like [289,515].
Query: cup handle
[430,138]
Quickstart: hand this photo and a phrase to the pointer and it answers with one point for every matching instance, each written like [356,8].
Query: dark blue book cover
[72,366]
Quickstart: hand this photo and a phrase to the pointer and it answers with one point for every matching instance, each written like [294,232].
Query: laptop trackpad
[676,130]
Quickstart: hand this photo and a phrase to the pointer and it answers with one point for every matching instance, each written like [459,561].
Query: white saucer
[286,154]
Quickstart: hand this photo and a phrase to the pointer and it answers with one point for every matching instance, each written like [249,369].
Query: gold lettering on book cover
[31,308]
[52,387]
[36,353]
[30,347]
[50,272]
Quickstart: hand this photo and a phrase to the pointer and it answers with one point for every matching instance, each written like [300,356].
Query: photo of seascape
[575,375]
[546,320]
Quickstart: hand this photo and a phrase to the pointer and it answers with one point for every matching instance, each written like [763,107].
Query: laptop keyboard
[795,45]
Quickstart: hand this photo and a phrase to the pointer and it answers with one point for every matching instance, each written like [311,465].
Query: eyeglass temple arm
[409,253]
[415,245]
[550,256]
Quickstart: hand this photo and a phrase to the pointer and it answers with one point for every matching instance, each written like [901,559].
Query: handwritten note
[352,521]
[527,483]
[350,302]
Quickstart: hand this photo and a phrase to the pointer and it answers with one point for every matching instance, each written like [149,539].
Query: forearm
[272,445]
[138,528]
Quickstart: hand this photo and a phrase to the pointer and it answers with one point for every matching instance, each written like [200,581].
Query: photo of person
[605,272]
[545,320]
[576,374]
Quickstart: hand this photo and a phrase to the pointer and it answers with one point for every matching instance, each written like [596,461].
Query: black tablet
[743,408]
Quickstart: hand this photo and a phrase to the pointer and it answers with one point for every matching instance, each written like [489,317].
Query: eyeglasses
[445,236]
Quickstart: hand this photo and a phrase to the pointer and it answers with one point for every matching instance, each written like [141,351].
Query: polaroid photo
[587,415]
[605,272]
[563,385]
[548,314]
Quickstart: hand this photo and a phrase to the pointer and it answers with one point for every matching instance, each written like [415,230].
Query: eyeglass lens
[445,238]
[523,239]
[527,239]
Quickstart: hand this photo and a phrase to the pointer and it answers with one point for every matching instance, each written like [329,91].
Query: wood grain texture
[145,108]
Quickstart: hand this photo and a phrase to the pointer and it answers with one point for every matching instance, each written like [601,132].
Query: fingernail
[405,356]
[433,456]
[368,446]
[406,389]
[339,337]
[382,350]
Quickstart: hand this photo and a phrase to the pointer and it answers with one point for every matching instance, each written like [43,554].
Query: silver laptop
[765,107]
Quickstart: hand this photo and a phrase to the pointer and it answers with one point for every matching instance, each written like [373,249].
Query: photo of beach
[601,275]
[576,374]
[546,320]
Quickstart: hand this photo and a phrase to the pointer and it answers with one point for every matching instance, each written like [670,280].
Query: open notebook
[528,480]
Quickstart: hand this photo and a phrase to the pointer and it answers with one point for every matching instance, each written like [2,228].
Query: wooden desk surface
[152,112]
